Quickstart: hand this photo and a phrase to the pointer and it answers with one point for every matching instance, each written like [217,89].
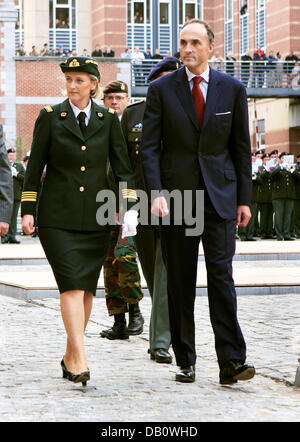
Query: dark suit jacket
[76,166]
[6,185]
[220,151]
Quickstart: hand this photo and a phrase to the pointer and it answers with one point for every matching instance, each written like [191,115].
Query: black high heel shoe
[76,378]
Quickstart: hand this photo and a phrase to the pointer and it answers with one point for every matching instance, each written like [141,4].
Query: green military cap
[282,154]
[115,87]
[81,64]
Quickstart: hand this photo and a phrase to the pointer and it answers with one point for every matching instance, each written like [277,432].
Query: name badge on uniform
[137,128]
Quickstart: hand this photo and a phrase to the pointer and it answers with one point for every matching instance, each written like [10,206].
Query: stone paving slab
[126,386]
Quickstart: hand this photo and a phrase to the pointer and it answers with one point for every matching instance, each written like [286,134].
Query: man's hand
[3,228]
[243,215]
[160,207]
[28,224]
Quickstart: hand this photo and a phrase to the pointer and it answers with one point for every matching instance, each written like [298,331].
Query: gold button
[136,139]
[81,189]
[83,147]
[82,169]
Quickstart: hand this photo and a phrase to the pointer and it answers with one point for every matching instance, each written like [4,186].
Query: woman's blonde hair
[96,92]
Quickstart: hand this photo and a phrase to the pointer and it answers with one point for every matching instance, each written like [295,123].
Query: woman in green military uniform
[74,141]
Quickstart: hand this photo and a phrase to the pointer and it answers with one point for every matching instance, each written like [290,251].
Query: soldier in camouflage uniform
[283,196]
[264,198]
[121,273]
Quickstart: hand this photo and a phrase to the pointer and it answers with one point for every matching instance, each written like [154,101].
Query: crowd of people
[99,51]
[260,69]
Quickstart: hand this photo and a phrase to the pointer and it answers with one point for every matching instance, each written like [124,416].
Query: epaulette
[136,102]
[48,108]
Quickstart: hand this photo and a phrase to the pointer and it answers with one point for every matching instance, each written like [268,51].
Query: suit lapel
[69,121]
[212,96]
[185,96]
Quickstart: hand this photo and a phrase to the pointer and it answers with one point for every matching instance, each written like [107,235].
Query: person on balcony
[258,67]
[245,68]
[108,52]
[97,52]
[137,59]
[271,69]
[230,59]
[157,55]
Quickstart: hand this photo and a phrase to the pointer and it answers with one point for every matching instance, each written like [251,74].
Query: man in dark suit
[196,136]
[6,188]
[18,174]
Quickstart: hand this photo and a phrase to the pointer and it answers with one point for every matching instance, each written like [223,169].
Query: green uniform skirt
[75,257]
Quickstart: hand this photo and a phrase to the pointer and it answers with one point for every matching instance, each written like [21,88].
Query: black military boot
[136,320]
[118,330]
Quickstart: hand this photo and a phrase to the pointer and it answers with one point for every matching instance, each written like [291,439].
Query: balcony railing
[253,74]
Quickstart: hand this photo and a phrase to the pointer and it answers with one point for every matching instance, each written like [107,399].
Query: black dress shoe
[234,371]
[136,320]
[160,355]
[289,238]
[14,241]
[186,374]
[118,330]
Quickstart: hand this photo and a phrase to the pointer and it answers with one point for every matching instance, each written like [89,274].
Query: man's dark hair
[210,34]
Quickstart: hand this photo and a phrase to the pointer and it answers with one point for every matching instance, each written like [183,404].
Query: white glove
[14,171]
[130,223]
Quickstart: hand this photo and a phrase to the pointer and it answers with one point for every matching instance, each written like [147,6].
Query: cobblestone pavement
[126,386]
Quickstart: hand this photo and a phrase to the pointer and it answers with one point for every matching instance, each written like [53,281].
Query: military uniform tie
[198,99]
[81,119]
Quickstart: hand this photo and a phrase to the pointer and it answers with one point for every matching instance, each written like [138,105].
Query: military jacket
[132,129]
[296,176]
[264,188]
[283,186]
[76,167]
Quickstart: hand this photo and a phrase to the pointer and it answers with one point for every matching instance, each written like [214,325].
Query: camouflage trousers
[121,274]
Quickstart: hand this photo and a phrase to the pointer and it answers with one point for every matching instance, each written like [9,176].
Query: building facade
[239,26]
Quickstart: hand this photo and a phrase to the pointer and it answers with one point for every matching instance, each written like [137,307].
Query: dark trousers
[297,218]
[181,258]
[248,231]
[266,219]
[11,235]
[148,245]
[283,209]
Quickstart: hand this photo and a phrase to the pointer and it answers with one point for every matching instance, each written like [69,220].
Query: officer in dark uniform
[247,233]
[148,236]
[6,188]
[283,196]
[296,176]
[264,198]
[74,140]
[18,173]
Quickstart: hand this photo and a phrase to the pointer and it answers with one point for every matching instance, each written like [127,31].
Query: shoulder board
[111,111]
[48,108]
[135,103]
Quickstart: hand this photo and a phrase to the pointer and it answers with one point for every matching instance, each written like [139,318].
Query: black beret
[165,65]
[115,86]
[265,155]
[282,154]
[11,149]
[274,152]
[81,64]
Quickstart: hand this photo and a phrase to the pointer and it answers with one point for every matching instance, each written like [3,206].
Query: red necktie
[198,99]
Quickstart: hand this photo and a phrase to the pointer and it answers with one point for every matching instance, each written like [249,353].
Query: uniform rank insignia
[63,115]
[111,111]
[74,63]
[100,115]
[48,108]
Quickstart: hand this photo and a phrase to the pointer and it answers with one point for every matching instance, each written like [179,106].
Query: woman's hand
[28,224]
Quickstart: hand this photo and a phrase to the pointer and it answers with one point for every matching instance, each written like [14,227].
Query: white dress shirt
[204,83]
[87,111]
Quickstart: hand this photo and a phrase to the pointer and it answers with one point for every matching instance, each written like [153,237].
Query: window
[164,13]
[62,14]
[19,25]
[188,9]
[228,26]
[260,23]
[138,10]
[244,27]
[261,132]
